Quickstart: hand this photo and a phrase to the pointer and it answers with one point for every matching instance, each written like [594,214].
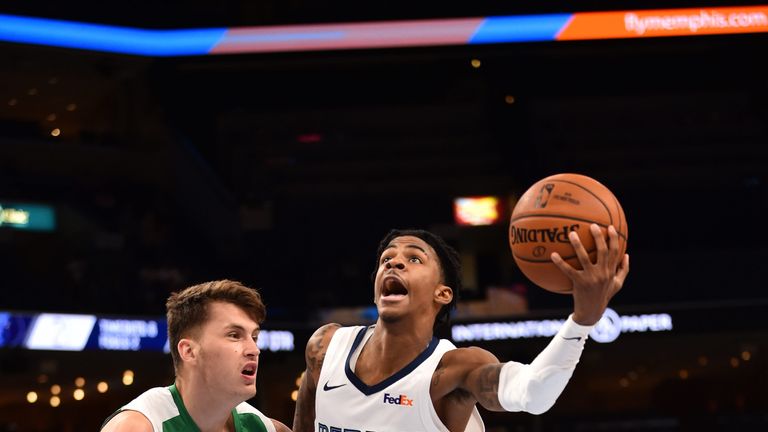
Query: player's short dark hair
[449,261]
[187,310]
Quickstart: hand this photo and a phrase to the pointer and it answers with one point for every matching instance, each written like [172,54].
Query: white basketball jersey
[399,403]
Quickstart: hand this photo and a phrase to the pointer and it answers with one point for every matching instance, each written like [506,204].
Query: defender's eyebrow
[233,326]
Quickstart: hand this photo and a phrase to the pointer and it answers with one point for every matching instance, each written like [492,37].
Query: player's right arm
[535,387]
[128,421]
[509,386]
[304,416]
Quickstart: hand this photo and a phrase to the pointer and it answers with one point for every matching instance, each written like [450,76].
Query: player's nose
[252,349]
[395,262]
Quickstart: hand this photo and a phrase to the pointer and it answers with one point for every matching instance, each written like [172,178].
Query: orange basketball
[547,212]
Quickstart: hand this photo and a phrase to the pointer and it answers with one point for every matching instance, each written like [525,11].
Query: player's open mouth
[249,370]
[392,289]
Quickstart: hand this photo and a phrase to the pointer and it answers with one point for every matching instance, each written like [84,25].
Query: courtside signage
[608,329]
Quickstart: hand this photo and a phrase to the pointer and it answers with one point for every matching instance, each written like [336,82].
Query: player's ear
[188,350]
[443,294]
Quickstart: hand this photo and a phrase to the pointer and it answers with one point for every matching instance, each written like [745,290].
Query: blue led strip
[530,28]
[105,38]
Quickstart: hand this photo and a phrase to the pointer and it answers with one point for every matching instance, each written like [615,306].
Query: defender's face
[408,275]
[229,356]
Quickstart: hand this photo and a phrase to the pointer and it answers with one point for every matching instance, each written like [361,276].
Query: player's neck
[405,329]
[397,344]
[208,411]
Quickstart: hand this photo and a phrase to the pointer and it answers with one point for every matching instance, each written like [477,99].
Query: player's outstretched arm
[471,369]
[536,387]
[513,386]
[304,416]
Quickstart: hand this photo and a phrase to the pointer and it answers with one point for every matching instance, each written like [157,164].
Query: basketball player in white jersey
[212,330]
[395,376]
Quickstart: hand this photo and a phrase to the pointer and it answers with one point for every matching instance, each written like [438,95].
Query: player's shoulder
[327,329]
[136,414]
[322,337]
[156,394]
[128,421]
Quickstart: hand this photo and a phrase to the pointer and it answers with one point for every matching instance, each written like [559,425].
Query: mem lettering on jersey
[323,428]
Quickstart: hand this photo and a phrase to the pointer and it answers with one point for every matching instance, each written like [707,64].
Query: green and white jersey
[163,407]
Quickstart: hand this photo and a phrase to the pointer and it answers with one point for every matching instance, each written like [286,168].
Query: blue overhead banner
[74,332]
[108,38]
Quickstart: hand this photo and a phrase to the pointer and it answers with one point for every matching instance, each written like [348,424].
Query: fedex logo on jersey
[398,400]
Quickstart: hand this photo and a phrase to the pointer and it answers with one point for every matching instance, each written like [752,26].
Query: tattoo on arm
[304,416]
[316,349]
[436,375]
[487,386]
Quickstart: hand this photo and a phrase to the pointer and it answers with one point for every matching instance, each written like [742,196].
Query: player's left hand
[595,284]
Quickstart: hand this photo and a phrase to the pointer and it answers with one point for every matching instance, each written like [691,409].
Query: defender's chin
[249,392]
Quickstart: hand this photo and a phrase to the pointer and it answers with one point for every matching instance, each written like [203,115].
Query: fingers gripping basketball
[545,215]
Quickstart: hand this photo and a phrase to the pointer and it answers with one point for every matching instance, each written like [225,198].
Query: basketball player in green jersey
[396,376]
[212,330]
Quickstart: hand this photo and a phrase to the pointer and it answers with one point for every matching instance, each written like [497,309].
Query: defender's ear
[188,350]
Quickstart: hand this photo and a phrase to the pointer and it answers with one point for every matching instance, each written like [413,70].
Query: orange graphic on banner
[666,22]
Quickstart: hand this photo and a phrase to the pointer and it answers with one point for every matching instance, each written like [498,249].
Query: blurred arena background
[284,169]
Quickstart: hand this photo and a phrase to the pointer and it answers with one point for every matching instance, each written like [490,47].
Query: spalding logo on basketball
[547,212]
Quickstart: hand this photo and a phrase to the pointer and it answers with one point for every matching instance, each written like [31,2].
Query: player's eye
[415,259]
